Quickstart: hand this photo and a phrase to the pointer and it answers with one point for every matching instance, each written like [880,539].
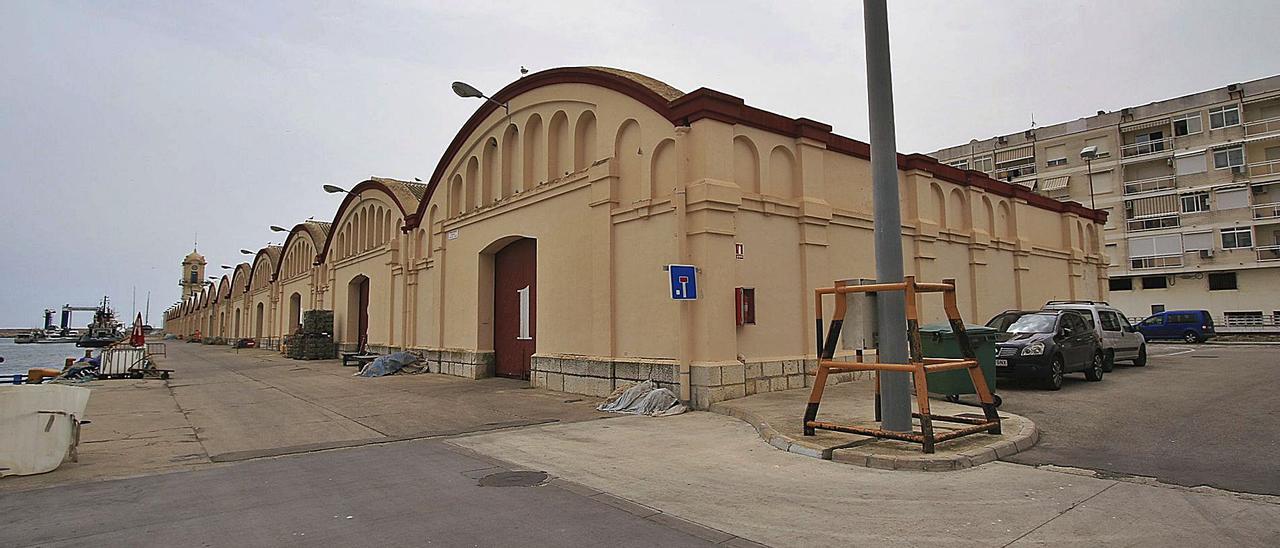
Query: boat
[40,426]
[104,331]
[51,335]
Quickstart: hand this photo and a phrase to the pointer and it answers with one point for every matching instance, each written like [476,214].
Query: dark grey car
[1045,345]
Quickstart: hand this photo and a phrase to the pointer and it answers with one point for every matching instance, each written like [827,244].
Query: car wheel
[1141,361]
[1096,369]
[1053,381]
[1109,362]
[1190,337]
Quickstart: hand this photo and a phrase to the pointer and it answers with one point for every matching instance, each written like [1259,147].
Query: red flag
[137,338]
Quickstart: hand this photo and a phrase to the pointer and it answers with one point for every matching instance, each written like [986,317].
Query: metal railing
[1020,170]
[1266,211]
[1162,261]
[1158,146]
[1259,127]
[1148,185]
[1268,252]
[1261,169]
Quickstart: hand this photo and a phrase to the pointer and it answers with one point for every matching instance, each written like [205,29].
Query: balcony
[1266,211]
[1147,185]
[1011,172]
[1265,168]
[1158,261]
[1268,253]
[1262,127]
[1147,148]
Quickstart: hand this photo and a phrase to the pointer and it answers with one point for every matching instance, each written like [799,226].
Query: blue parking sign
[684,282]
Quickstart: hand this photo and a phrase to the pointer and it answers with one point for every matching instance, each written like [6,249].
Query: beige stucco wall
[612,191]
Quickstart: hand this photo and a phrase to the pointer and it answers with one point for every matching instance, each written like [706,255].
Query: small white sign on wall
[740,250]
[452,234]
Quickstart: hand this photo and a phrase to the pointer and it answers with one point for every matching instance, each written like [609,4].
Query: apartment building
[1192,185]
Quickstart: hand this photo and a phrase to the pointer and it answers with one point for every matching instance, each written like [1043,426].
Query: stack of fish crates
[316,340]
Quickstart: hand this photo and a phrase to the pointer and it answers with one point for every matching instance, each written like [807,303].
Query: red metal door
[515,276]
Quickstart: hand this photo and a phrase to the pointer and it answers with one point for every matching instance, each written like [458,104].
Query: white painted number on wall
[524,314]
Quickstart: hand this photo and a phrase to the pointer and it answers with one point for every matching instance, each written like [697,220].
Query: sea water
[18,358]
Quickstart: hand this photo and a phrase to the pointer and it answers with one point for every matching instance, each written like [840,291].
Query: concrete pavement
[714,470]
[1196,415]
[224,405]
[777,417]
[415,493]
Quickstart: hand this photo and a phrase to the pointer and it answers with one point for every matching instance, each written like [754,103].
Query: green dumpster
[938,341]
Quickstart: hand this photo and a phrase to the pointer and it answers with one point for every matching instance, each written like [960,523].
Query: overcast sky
[127,127]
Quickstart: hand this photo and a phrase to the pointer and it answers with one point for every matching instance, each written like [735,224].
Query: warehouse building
[540,246]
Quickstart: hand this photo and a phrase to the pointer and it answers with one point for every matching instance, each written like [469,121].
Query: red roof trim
[705,103]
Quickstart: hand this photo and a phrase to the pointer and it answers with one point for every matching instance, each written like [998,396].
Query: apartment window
[1155,251]
[1228,157]
[1056,154]
[1195,203]
[1186,124]
[1121,284]
[1226,116]
[1222,281]
[1149,142]
[983,164]
[1187,165]
[1231,198]
[1253,317]
[1236,238]
[962,163]
[1197,241]
[1155,282]
[1153,224]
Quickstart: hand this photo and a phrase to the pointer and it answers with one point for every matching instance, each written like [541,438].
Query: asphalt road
[417,493]
[1196,415]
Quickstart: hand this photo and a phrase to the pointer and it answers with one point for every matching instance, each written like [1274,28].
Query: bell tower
[192,280]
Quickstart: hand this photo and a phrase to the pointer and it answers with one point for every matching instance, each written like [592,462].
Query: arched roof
[272,253]
[317,231]
[241,272]
[224,288]
[683,109]
[404,194]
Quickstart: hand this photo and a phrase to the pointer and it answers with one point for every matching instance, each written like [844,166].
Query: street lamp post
[891,314]
[1088,154]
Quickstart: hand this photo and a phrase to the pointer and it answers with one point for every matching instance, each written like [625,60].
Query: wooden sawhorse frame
[919,366]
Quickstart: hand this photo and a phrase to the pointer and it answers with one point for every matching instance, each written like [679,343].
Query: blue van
[1192,326]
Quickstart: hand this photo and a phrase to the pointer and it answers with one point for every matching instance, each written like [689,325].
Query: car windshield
[1032,323]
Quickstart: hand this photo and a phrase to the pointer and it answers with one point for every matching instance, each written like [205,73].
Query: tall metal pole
[1088,162]
[895,388]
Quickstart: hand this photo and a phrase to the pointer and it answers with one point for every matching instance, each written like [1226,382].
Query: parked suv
[1120,340]
[1045,345]
[1192,326]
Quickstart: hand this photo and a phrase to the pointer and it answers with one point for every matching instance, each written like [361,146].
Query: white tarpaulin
[643,399]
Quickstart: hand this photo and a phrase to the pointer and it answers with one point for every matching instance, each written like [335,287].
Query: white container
[39,426]
[118,360]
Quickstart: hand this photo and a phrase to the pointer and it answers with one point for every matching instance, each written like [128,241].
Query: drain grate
[519,478]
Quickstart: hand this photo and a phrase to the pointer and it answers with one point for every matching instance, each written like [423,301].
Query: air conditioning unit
[1002,139]
[1237,170]
[1206,253]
